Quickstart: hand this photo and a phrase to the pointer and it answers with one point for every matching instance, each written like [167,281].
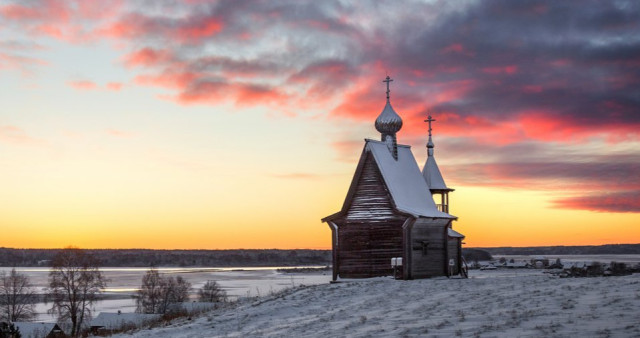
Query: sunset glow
[225,124]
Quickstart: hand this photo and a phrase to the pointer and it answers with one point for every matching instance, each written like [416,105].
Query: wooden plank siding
[429,248]
[454,253]
[370,232]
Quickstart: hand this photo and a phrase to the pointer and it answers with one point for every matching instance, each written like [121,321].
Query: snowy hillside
[523,304]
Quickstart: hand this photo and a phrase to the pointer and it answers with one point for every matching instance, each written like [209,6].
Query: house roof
[116,320]
[32,330]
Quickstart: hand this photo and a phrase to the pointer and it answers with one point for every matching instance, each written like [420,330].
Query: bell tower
[432,175]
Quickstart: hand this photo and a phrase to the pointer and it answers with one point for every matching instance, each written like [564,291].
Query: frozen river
[124,282]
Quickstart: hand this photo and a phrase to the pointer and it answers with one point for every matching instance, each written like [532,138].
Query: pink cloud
[16,135]
[23,63]
[188,30]
[512,69]
[195,31]
[242,95]
[627,201]
[73,20]
[169,78]
[114,86]
[348,150]
[147,57]
[82,85]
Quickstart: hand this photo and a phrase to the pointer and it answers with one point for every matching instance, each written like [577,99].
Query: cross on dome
[388,80]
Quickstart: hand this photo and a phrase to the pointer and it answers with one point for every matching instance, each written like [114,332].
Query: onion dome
[388,122]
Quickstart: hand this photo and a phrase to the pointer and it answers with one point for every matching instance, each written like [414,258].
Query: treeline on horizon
[272,257]
[607,249]
[175,258]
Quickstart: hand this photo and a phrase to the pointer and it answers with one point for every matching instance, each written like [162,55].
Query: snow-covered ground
[494,303]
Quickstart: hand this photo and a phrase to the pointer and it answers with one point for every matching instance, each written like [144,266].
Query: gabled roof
[453,233]
[30,329]
[432,175]
[408,189]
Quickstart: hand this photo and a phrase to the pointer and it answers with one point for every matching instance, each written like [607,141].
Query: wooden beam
[334,248]
[406,245]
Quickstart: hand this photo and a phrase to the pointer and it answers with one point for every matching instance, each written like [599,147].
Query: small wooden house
[39,330]
[390,213]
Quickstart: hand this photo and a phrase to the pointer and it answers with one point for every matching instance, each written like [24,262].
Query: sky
[193,124]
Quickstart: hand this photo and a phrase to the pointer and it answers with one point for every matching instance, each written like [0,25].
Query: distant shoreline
[265,257]
[607,249]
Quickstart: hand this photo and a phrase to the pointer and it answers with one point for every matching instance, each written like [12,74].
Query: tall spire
[430,171]
[430,144]
[389,123]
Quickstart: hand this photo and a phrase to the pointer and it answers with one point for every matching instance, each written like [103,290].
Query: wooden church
[390,213]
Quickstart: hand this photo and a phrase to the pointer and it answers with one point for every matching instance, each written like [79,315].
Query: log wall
[454,253]
[429,248]
[370,233]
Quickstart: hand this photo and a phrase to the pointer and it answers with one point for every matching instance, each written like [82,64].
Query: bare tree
[74,284]
[16,297]
[180,290]
[157,293]
[150,293]
[212,292]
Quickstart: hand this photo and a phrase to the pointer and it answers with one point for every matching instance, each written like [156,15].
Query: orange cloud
[298,176]
[118,133]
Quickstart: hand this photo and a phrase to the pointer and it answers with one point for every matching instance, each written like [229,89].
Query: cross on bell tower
[430,144]
[430,119]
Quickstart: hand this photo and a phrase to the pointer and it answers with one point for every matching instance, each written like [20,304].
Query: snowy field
[527,303]
[124,281]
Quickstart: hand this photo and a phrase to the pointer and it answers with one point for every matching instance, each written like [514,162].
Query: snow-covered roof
[432,175]
[36,330]
[453,233]
[116,320]
[407,187]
